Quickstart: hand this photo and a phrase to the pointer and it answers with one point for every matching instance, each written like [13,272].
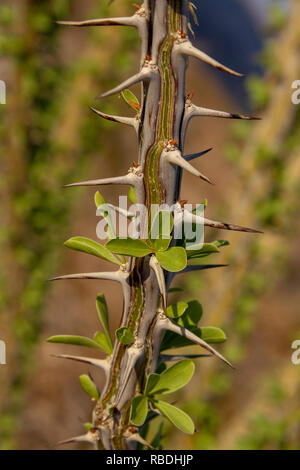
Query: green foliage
[104,342]
[139,410]
[99,199]
[176,416]
[131,195]
[86,245]
[212,334]
[169,381]
[124,335]
[102,309]
[131,99]
[129,247]
[176,310]
[206,250]
[172,379]
[103,317]
[75,341]
[174,259]
[89,386]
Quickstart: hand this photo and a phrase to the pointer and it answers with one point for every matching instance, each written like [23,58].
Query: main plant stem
[161,118]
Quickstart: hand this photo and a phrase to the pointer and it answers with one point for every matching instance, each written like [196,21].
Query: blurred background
[49,137]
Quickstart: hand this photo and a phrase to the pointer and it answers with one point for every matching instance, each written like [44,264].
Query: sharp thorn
[139,77]
[192,156]
[174,157]
[187,48]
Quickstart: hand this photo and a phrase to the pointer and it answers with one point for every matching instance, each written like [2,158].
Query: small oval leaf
[74,340]
[86,245]
[104,342]
[131,195]
[131,99]
[89,386]
[206,250]
[102,310]
[124,335]
[139,410]
[151,382]
[212,334]
[99,199]
[173,260]
[192,315]
[174,378]
[176,310]
[129,247]
[176,416]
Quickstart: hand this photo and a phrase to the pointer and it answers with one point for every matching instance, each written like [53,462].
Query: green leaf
[205,203]
[131,195]
[177,417]
[88,426]
[151,382]
[129,247]
[220,243]
[176,310]
[173,260]
[102,309]
[174,378]
[212,334]
[192,314]
[160,231]
[139,410]
[104,342]
[99,199]
[91,247]
[175,289]
[74,340]
[89,387]
[131,99]
[206,250]
[124,335]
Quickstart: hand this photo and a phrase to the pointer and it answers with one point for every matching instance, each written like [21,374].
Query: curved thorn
[154,264]
[91,438]
[192,218]
[122,21]
[136,437]
[128,179]
[192,156]
[174,157]
[141,76]
[102,363]
[169,325]
[225,226]
[192,111]
[186,48]
[129,121]
[106,276]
